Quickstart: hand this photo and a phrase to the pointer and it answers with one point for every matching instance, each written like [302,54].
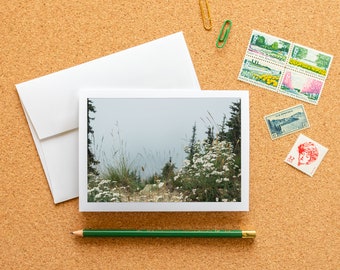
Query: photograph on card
[159,150]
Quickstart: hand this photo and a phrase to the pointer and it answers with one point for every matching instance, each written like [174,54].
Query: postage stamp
[301,86]
[284,67]
[269,47]
[306,155]
[287,121]
[260,73]
[307,59]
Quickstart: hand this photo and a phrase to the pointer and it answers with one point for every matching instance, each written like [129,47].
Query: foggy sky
[150,131]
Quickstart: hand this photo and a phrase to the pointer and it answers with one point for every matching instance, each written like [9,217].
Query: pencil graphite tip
[78,233]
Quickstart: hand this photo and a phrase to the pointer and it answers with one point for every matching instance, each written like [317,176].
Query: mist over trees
[211,171]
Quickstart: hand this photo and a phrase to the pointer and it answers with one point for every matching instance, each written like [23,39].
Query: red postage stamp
[306,155]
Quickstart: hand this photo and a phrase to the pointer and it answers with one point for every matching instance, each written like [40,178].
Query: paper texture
[50,102]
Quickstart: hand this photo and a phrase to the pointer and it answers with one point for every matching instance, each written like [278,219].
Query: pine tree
[210,135]
[233,134]
[91,160]
[222,135]
[192,149]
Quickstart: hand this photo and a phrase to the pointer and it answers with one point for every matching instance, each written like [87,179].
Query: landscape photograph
[164,150]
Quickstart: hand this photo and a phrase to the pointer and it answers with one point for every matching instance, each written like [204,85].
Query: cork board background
[296,216]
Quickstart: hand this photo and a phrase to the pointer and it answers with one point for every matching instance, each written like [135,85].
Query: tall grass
[123,173]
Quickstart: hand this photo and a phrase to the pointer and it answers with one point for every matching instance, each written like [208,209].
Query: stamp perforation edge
[286,63]
[284,66]
[266,117]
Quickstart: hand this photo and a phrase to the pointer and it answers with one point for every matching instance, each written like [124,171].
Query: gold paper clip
[224,33]
[205,12]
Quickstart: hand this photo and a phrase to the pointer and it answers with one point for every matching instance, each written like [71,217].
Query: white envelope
[50,102]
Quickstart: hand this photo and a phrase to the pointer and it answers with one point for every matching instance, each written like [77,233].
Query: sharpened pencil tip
[78,233]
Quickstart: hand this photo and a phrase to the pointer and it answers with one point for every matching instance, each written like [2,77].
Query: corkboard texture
[296,216]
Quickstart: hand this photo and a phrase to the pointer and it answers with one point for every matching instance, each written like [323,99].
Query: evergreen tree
[210,135]
[192,145]
[233,134]
[168,170]
[222,135]
[168,174]
[91,160]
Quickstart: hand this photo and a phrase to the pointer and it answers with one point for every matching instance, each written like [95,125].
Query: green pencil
[165,233]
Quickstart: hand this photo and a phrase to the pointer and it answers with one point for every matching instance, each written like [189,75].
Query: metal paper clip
[224,33]
[205,12]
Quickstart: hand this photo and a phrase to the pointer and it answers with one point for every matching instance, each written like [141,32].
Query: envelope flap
[50,112]
[51,101]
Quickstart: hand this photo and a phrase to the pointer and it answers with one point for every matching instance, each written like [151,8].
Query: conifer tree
[192,150]
[91,160]
[210,135]
[168,169]
[222,135]
[233,134]
[168,174]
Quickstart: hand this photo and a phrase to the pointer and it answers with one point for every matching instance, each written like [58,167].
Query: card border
[85,206]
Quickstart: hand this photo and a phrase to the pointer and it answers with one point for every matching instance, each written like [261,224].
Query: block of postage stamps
[284,67]
[287,121]
[306,155]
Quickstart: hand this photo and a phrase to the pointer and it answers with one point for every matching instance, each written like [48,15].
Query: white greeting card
[149,150]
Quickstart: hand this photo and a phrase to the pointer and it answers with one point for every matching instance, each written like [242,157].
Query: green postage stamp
[287,121]
[284,67]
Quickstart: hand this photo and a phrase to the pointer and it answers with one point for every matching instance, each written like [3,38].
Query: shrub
[100,190]
[211,175]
